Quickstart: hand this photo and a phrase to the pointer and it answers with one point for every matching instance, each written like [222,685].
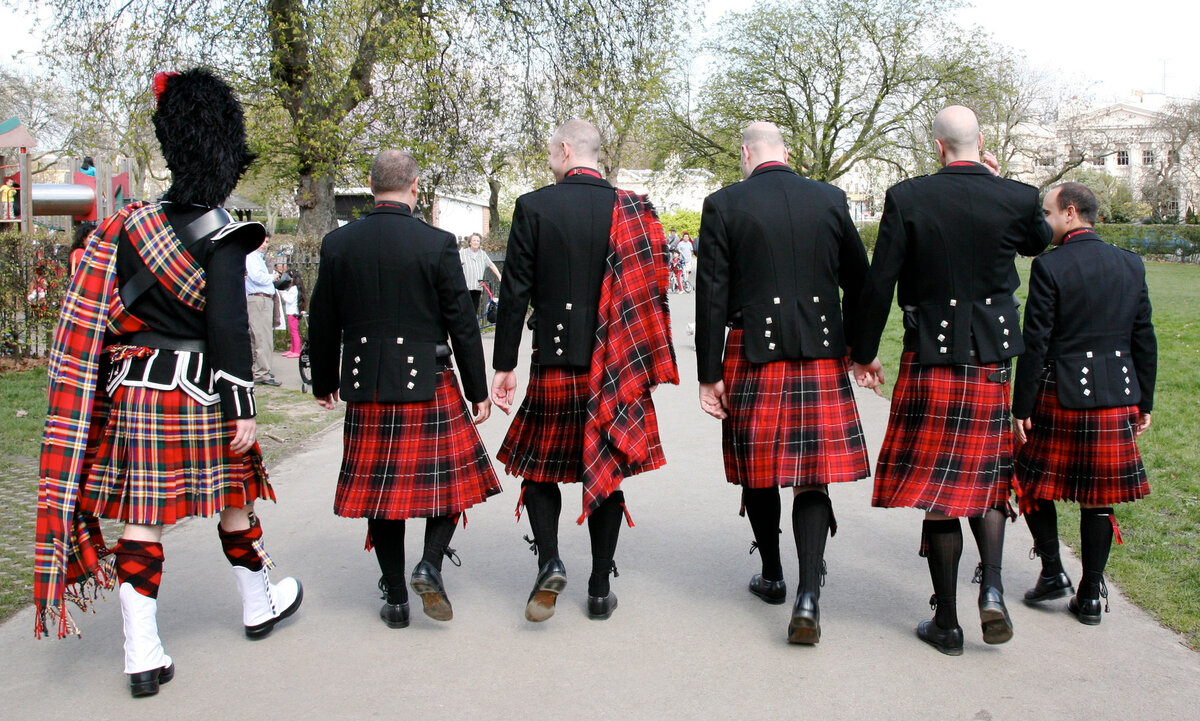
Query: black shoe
[427,582]
[1049,588]
[601,607]
[947,640]
[550,582]
[773,592]
[993,616]
[146,683]
[395,615]
[1087,610]
[805,626]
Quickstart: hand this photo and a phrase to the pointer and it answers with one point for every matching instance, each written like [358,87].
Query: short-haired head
[957,130]
[761,143]
[1081,197]
[392,171]
[582,136]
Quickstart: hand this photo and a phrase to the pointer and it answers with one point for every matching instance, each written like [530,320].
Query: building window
[1147,156]
[1097,158]
[1122,157]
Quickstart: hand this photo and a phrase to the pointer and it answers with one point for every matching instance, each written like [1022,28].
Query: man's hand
[869,375]
[504,390]
[989,160]
[244,436]
[1020,427]
[713,400]
[482,410]
[1143,423]
[328,402]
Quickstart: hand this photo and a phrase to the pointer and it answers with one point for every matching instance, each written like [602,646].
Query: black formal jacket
[950,240]
[776,249]
[555,260]
[1089,312]
[390,289]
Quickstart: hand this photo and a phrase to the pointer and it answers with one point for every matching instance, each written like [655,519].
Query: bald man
[779,247]
[566,240]
[949,240]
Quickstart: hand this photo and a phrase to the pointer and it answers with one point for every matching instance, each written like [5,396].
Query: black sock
[604,527]
[1095,536]
[763,510]
[989,537]
[388,538]
[811,514]
[945,543]
[543,504]
[1043,526]
[438,532]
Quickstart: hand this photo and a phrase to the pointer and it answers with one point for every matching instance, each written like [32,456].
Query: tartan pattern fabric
[948,445]
[544,443]
[68,549]
[165,255]
[140,563]
[1089,456]
[163,457]
[790,422]
[413,460]
[632,354]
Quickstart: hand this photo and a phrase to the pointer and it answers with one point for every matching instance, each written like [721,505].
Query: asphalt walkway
[687,641]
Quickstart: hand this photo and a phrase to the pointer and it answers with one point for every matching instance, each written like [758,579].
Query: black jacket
[950,240]
[390,288]
[777,247]
[1089,312]
[555,260]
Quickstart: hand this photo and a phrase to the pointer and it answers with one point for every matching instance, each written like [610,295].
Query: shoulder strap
[190,236]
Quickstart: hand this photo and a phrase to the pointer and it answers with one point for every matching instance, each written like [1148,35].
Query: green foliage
[33,280]
[682,220]
[1114,195]
[1159,241]
[869,232]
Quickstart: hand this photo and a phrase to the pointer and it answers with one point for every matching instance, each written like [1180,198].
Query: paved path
[687,642]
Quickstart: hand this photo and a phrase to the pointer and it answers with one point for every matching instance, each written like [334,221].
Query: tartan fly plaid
[790,422]
[1088,456]
[163,457]
[413,460]
[948,445]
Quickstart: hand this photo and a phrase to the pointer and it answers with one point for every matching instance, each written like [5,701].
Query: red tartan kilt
[791,422]
[1088,456]
[545,441]
[948,446]
[162,457]
[413,460]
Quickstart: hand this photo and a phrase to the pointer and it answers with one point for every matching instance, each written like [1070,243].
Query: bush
[1160,242]
[682,221]
[33,281]
[869,232]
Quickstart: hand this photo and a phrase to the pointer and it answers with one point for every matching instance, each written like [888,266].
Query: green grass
[1159,564]
[292,419]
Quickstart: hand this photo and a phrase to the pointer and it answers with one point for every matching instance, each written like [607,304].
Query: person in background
[475,262]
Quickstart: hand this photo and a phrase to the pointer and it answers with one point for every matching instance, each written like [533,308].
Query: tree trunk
[493,205]
[316,205]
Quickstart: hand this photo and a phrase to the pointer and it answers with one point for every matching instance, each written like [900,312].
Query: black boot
[812,517]
[543,505]
[1053,581]
[944,544]
[993,614]
[1095,535]
[763,510]
[388,538]
[604,528]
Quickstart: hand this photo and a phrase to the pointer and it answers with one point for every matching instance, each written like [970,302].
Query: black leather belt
[152,339]
[441,350]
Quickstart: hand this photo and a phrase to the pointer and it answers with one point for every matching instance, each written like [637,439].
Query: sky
[1109,48]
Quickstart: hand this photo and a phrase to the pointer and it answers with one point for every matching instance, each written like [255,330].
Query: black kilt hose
[545,441]
[790,423]
[162,456]
[413,460]
[948,447]
[1088,456]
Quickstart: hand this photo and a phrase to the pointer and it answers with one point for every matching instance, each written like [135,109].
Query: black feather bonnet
[200,126]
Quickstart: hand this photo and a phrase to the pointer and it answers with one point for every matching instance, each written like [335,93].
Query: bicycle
[487,319]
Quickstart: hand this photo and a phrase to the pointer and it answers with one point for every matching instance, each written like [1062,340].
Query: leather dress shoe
[773,592]
[805,626]
[1049,588]
[427,582]
[146,683]
[601,607]
[1087,610]
[395,615]
[551,581]
[947,640]
[993,616]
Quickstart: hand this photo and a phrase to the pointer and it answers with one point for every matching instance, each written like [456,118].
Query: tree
[839,77]
[44,109]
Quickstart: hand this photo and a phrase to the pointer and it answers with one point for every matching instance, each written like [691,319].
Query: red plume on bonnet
[160,84]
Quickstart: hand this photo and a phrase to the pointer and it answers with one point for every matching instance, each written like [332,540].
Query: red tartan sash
[633,351]
[68,549]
